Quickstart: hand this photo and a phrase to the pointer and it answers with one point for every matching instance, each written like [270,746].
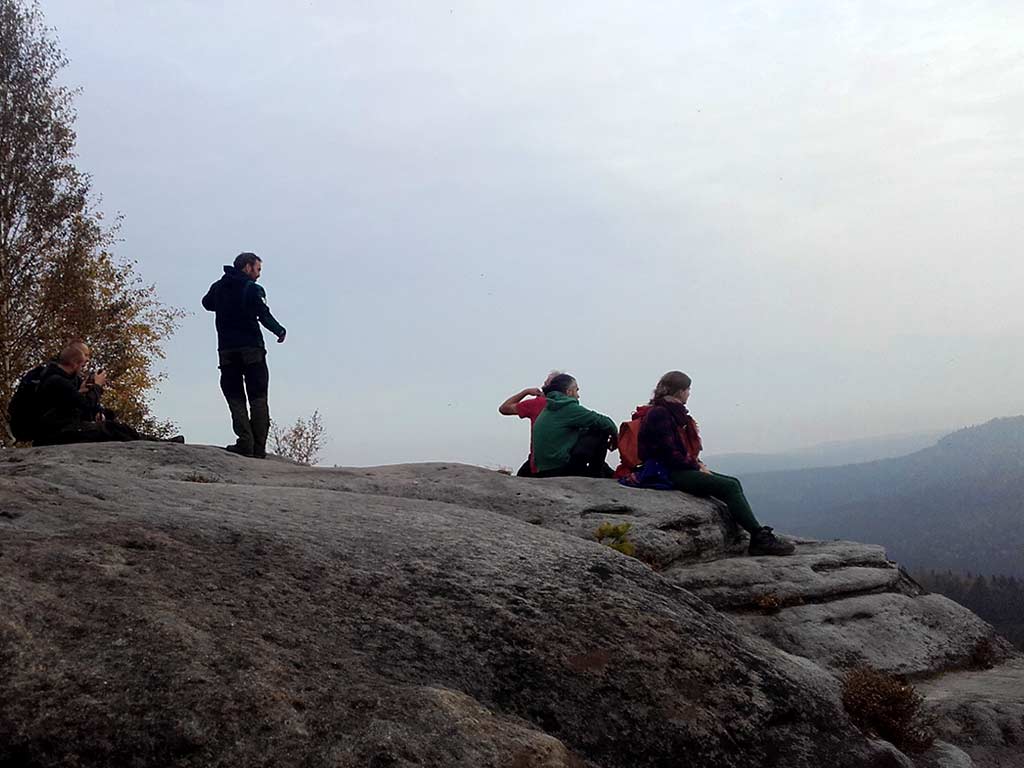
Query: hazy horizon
[810,210]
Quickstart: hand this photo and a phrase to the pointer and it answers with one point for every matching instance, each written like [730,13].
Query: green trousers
[722,487]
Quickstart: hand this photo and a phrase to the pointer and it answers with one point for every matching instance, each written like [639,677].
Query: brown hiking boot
[764,542]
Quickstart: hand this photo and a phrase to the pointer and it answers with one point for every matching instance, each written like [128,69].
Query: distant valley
[958,504]
[834,453]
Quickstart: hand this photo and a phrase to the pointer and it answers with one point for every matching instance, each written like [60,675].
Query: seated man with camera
[69,407]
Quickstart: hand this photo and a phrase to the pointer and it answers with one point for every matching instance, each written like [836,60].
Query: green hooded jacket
[558,428]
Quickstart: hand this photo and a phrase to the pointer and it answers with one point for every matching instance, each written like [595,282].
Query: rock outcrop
[177,605]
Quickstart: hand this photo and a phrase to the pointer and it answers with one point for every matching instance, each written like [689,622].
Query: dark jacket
[558,428]
[60,403]
[241,305]
[669,435]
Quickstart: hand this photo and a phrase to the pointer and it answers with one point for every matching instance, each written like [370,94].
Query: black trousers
[586,459]
[108,431]
[244,376]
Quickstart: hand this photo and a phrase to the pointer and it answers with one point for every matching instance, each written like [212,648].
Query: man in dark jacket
[69,406]
[241,306]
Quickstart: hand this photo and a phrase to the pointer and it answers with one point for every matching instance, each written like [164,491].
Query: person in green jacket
[568,439]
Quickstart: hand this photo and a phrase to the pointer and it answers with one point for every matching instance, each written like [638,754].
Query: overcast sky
[813,209]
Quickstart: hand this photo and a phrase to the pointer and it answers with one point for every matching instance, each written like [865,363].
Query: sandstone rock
[818,571]
[694,545]
[944,755]
[982,711]
[667,527]
[175,605]
[892,632]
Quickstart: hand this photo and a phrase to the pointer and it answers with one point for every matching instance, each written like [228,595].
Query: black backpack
[23,412]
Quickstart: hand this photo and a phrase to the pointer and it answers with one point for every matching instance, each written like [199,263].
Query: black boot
[764,542]
[242,427]
[260,421]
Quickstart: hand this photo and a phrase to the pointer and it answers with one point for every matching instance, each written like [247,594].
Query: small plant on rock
[984,654]
[301,442]
[881,704]
[768,602]
[616,537]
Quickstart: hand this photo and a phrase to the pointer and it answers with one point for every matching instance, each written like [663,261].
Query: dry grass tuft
[984,655]
[769,602]
[883,705]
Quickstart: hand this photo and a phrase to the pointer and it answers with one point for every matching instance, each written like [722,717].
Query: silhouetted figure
[241,306]
[69,406]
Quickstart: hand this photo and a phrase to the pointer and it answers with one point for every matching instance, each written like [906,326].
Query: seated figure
[527,404]
[68,405]
[568,439]
[669,436]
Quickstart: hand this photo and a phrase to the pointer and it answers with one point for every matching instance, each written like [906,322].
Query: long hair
[670,383]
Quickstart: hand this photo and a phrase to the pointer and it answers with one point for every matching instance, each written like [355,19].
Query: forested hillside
[958,505]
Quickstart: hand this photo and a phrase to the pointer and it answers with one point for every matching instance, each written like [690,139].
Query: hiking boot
[239,450]
[241,426]
[260,423]
[764,542]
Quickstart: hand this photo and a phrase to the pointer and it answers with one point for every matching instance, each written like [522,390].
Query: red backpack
[629,442]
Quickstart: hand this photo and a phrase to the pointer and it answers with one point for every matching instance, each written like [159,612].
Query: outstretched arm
[508,408]
[263,314]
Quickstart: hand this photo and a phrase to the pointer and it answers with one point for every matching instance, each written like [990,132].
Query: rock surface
[177,605]
[982,712]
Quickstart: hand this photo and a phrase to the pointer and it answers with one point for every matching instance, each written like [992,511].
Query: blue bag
[651,475]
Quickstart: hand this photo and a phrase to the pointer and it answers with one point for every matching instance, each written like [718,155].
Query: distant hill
[831,454]
[956,505]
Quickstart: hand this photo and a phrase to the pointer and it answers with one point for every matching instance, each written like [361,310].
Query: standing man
[241,305]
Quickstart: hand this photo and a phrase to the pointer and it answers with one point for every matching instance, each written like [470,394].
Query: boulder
[176,605]
[982,711]
[892,632]
[816,572]
[179,605]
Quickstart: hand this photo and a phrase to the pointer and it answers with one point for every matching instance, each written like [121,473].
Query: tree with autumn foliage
[59,279]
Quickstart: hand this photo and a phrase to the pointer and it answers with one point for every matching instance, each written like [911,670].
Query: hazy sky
[814,211]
